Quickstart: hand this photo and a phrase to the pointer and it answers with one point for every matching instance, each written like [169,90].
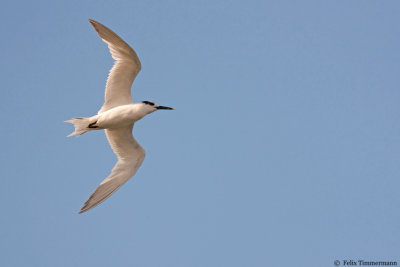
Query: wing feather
[130,156]
[126,67]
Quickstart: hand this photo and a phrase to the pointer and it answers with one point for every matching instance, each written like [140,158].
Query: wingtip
[83,209]
[95,25]
[93,22]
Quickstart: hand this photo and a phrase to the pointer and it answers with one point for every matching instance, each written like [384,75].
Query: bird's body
[114,118]
[117,116]
[122,116]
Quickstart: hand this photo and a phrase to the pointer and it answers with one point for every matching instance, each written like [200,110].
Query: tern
[117,116]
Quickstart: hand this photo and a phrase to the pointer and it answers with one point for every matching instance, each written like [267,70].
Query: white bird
[117,116]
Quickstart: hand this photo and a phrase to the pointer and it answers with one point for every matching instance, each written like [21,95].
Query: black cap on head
[148,103]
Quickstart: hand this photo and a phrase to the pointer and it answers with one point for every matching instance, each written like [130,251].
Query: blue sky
[284,149]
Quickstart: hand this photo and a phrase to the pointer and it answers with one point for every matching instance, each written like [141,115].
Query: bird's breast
[118,117]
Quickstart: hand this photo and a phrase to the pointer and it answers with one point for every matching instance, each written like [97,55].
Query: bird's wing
[130,156]
[126,67]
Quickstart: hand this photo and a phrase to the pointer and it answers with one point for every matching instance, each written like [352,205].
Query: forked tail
[82,125]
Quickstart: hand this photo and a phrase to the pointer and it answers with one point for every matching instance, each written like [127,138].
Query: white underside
[118,117]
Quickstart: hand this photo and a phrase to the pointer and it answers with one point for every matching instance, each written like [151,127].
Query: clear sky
[284,149]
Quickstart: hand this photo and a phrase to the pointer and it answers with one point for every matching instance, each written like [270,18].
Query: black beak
[162,107]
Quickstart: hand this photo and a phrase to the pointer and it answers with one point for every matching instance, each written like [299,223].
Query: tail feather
[81,126]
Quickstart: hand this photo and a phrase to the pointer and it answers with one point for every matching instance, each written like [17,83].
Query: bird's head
[151,106]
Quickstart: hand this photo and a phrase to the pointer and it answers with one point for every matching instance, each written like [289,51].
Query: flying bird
[117,116]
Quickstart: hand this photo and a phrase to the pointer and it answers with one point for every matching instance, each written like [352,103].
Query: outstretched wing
[130,156]
[126,67]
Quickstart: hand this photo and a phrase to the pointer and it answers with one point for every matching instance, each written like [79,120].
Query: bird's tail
[82,125]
